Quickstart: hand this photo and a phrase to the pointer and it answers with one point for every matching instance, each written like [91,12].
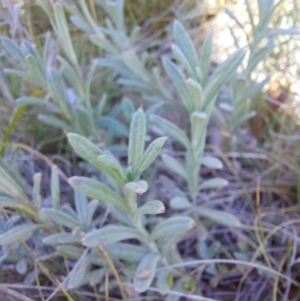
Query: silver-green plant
[65,89]
[123,54]
[198,94]
[236,109]
[128,185]
[119,195]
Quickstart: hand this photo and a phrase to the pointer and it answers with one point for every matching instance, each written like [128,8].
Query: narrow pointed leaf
[81,205]
[109,235]
[60,218]
[196,93]
[174,165]
[36,194]
[85,148]
[125,251]
[198,131]
[171,129]
[150,155]
[136,138]
[61,238]
[178,81]
[13,49]
[111,166]
[55,188]
[221,217]
[17,233]
[181,58]
[78,273]
[54,122]
[99,191]
[205,57]
[70,252]
[184,42]
[223,73]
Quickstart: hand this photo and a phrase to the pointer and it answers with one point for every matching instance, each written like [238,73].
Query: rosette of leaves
[121,198]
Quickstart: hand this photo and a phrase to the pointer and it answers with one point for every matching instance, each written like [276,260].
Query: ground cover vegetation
[136,164]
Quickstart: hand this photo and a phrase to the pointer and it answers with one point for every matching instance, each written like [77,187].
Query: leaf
[13,49]
[61,238]
[175,166]
[60,217]
[81,205]
[213,183]
[205,57]
[226,107]
[180,203]
[99,191]
[164,281]
[139,187]
[85,148]
[223,73]
[36,102]
[111,166]
[184,42]
[9,186]
[134,64]
[125,251]
[137,137]
[172,225]
[258,56]
[181,58]
[198,131]
[221,217]
[152,207]
[128,108]
[55,122]
[91,209]
[63,32]
[196,92]
[96,276]
[70,252]
[78,273]
[171,129]
[281,31]
[150,155]
[36,191]
[114,125]
[109,235]
[266,11]
[55,188]
[16,116]
[17,233]
[145,272]
[211,162]
[178,81]
[6,202]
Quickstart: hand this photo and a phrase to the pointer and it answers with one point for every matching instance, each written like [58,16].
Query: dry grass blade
[4,289]
[236,262]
